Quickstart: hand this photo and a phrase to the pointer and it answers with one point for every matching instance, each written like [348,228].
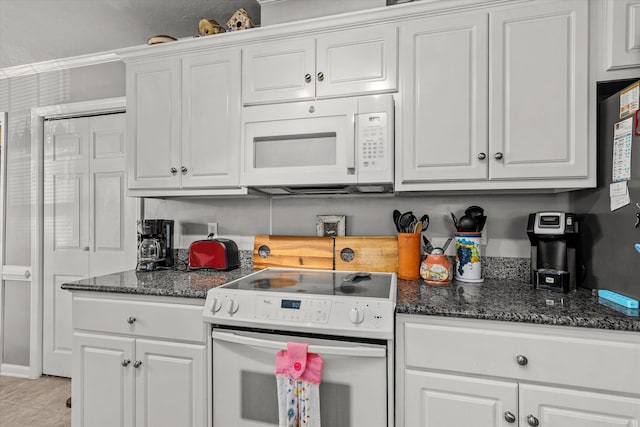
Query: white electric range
[345,317]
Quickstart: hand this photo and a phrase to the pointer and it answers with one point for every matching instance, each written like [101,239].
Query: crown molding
[58,64]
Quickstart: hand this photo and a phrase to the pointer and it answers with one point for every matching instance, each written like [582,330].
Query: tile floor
[34,403]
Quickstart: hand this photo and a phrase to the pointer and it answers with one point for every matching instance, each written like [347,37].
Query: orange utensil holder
[409,256]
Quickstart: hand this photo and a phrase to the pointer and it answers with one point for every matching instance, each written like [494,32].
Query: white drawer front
[141,318]
[562,359]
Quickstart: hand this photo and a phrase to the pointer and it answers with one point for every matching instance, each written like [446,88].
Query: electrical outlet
[212,229]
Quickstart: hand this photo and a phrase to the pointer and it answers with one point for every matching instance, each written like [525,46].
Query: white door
[538,91]
[439,400]
[278,71]
[360,61]
[555,407]
[66,234]
[153,124]
[211,119]
[89,223]
[103,381]
[444,111]
[623,33]
[170,388]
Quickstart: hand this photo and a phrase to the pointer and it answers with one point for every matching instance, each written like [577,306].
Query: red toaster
[218,254]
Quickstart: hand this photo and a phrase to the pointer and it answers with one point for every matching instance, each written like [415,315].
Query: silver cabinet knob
[173,171]
[498,156]
[320,76]
[509,417]
[125,362]
[183,169]
[532,421]
[131,320]
[86,249]
[482,156]
[307,78]
[522,360]
[137,364]
[312,109]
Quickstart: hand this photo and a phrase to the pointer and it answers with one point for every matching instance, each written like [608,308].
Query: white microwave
[319,147]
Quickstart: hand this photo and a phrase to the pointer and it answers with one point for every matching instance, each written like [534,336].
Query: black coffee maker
[555,251]
[155,244]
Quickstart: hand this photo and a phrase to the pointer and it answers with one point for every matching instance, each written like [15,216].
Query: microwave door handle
[357,351]
[351,148]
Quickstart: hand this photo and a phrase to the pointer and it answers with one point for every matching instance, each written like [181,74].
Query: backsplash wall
[504,236]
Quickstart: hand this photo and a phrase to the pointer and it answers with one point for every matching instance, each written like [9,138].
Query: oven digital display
[291,303]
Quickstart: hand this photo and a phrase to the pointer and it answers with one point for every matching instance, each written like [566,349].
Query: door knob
[131,320]
[509,417]
[498,156]
[307,78]
[522,360]
[86,249]
[137,364]
[532,421]
[320,76]
[173,171]
[125,362]
[183,169]
[482,156]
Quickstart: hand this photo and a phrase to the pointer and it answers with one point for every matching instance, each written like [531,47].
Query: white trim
[58,64]
[38,115]
[10,370]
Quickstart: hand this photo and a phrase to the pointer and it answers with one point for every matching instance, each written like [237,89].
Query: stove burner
[275,282]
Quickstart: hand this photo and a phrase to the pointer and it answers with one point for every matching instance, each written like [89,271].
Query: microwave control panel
[372,130]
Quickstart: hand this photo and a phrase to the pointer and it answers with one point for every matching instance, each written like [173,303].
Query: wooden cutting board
[307,252]
[375,253]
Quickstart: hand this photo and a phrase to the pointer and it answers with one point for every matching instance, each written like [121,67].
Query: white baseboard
[15,371]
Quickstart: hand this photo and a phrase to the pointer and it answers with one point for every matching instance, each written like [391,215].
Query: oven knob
[231,306]
[216,305]
[356,315]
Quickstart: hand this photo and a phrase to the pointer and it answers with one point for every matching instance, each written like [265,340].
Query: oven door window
[353,391]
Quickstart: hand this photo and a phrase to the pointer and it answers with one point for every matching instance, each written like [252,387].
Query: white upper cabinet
[184,123]
[622,29]
[350,62]
[495,99]
[538,91]
[444,126]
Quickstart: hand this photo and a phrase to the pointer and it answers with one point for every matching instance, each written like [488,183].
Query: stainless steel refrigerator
[609,236]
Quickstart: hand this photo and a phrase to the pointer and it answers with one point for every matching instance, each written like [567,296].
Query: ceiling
[42,30]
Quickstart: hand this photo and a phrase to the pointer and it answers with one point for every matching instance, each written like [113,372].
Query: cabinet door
[554,407]
[538,91]
[439,400]
[102,381]
[622,33]
[357,61]
[153,124]
[444,109]
[211,119]
[171,386]
[279,71]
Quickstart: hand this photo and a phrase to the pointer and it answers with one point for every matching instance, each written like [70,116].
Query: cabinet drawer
[152,319]
[575,358]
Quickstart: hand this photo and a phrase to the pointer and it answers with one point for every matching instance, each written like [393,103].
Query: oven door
[353,391]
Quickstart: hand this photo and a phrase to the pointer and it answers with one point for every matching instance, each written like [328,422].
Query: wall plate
[330,225]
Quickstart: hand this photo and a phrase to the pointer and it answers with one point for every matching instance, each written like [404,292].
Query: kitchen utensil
[474,211]
[428,247]
[481,221]
[455,220]
[417,228]
[405,221]
[446,244]
[467,224]
[396,217]
[424,219]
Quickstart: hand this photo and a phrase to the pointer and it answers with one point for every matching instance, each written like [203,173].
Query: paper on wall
[619,195]
[629,100]
[621,166]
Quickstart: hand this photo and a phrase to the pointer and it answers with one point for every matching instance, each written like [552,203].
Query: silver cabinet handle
[509,417]
[320,76]
[125,362]
[131,320]
[183,169]
[522,360]
[498,156]
[532,421]
[173,171]
[27,274]
[312,109]
[482,156]
[307,78]
[137,364]
[86,249]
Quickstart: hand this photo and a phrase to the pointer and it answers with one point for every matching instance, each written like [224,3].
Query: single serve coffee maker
[555,252]
[155,244]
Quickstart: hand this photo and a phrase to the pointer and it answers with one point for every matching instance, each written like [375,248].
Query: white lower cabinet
[129,380]
[461,373]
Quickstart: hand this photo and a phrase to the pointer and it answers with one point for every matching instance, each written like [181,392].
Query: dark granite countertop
[172,283]
[495,299]
[513,301]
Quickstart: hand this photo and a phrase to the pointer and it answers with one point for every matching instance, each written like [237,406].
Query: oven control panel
[293,309]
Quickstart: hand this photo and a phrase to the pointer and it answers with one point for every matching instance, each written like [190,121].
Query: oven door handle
[357,351]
